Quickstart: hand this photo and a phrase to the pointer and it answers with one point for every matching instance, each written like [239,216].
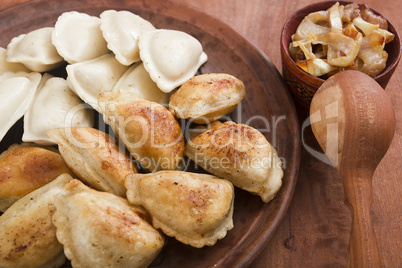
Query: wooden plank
[315,231]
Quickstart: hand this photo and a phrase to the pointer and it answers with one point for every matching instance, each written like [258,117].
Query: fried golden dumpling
[150,132]
[25,168]
[205,98]
[94,157]
[196,209]
[99,229]
[240,154]
[27,234]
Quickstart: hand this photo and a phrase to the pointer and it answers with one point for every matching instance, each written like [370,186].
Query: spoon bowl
[353,120]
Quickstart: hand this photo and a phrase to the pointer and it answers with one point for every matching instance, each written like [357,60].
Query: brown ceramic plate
[268,107]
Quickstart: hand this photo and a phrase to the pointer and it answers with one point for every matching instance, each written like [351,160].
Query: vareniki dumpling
[25,168]
[171,57]
[89,78]
[207,97]
[121,30]
[94,157]
[150,132]
[16,93]
[35,50]
[240,154]
[78,37]
[6,66]
[103,230]
[137,80]
[196,209]
[27,234]
[54,106]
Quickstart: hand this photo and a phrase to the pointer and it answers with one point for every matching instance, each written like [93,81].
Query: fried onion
[341,38]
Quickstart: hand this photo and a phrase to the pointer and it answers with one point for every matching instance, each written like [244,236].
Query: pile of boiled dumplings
[107,56]
[141,80]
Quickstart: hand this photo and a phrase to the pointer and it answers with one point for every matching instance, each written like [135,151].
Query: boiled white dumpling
[121,30]
[171,57]
[89,78]
[137,80]
[77,37]
[16,93]
[35,50]
[54,106]
[6,66]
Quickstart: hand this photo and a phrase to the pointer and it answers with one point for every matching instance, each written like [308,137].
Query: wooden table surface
[315,231]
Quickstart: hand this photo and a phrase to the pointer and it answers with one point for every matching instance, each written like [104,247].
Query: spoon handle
[363,248]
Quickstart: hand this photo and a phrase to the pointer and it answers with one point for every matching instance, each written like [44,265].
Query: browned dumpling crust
[25,168]
[27,234]
[240,154]
[205,98]
[149,131]
[94,157]
[196,209]
[99,229]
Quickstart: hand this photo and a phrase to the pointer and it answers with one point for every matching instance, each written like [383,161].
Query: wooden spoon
[353,120]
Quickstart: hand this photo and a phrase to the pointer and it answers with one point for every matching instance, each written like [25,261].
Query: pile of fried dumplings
[71,191]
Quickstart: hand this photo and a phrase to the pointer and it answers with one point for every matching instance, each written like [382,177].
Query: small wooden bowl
[301,84]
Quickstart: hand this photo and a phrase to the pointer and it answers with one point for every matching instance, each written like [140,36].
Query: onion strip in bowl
[341,38]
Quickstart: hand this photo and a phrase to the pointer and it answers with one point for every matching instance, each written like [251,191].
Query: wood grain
[365,124]
[315,231]
[267,100]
